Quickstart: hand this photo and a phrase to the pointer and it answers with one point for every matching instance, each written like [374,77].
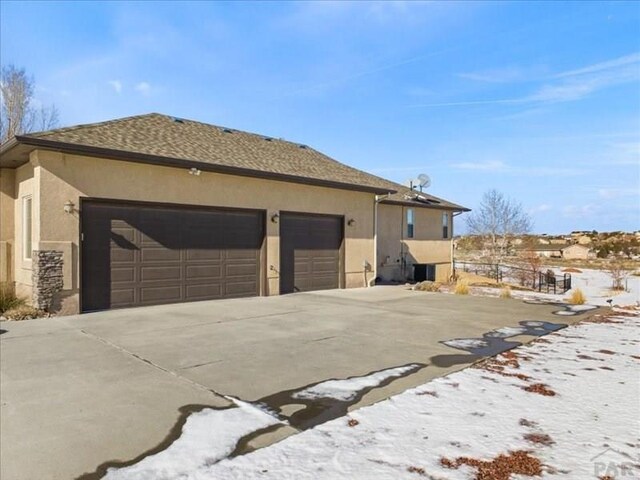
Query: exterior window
[410,223]
[26,228]
[445,225]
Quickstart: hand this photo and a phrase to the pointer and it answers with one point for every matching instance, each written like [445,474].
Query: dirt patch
[571,270]
[528,423]
[500,468]
[540,389]
[418,470]
[539,438]
[353,422]
[433,394]
[607,352]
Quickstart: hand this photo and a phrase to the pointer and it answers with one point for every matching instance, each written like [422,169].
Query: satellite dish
[424,181]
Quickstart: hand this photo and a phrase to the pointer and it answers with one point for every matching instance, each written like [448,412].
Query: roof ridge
[72,128]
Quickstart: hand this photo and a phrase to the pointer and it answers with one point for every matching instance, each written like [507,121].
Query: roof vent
[177,120]
[268,139]
[302,146]
[227,130]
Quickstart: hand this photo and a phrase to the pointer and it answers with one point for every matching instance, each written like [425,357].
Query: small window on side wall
[410,225]
[445,225]
[26,228]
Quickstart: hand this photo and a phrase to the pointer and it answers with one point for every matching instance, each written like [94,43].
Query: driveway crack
[152,364]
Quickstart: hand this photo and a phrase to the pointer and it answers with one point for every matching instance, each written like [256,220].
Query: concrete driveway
[80,393]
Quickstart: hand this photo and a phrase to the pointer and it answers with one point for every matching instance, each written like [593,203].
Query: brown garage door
[309,252]
[146,254]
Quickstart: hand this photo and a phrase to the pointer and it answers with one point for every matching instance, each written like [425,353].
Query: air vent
[177,120]
[226,130]
[303,147]
[267,139]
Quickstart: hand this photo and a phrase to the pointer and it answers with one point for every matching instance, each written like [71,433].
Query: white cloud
[540,209]
[609,193]
[502,75]
[623,61]
[564,87]
[144,88]
[490,165]
[580,211]
[117,85]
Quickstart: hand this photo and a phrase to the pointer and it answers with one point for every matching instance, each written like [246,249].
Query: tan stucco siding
[69,177]
[397,253]
[7,215]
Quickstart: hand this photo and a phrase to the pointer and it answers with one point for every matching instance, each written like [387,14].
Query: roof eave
[179,163]
[453,208]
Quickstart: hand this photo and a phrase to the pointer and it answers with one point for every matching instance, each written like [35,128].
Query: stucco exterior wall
[577,252]
[61,178]
[7,205]
[397,253]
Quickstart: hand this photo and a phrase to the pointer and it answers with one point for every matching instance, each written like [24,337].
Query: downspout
[377,200]
[453,265]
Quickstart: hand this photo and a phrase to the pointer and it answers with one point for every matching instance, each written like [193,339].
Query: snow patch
[207,437]
[347,389]
[466,343]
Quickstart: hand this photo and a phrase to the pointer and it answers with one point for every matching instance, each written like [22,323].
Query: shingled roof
[414,198]
[165,140]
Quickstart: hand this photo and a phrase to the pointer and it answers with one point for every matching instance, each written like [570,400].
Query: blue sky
[538,100]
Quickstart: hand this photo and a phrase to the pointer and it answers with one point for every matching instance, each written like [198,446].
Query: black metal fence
[551,282]
[526,277]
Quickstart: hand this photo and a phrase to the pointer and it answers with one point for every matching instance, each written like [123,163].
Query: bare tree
[618,273]
[498,220]
[17,112]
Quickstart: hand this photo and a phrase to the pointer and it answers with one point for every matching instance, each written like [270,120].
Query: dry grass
[501,467]
[577,297]
[462,287]
[505,292]
[23,312]
[8,298]
[427,286]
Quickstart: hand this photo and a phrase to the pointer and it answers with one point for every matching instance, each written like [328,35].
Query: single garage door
[145,254]
[309,252]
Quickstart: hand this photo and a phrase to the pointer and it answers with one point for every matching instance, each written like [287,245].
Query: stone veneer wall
[47,277]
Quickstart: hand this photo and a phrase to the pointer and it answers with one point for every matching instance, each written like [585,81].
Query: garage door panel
[159,255]
[164,272]
[203,292]
[144,254]
[194,272]
[161,294]
[240,270]
[123,297]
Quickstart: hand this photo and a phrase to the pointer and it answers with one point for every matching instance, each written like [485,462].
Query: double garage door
[136,254]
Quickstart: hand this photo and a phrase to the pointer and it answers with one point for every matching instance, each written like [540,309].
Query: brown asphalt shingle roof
[164,136]
[161,139]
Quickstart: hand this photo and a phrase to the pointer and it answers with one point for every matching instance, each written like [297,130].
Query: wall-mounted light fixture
[68,206]
[194,171]
[351,222]
[275,217]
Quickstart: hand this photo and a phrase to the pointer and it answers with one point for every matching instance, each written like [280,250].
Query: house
[155,209]
[546,251]
[577,252]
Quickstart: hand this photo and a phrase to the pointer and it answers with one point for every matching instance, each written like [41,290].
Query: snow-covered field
[595,284]
[566,406]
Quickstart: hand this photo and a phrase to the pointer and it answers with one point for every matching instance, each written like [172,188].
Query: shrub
[462,287]
[23,312]
[427,286]
[577,297]
[505,292]
[8,298]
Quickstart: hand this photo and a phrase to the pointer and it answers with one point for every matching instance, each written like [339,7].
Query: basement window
[445,225]
[26,228]
[410,226]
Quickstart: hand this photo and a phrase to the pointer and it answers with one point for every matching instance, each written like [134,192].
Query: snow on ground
[595,285]
[348,389]
[570,400]
[207,437]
